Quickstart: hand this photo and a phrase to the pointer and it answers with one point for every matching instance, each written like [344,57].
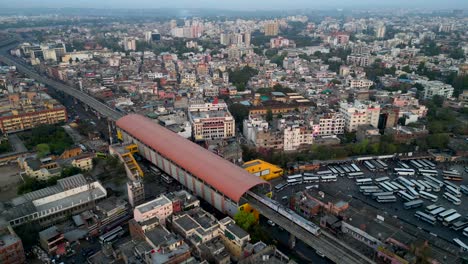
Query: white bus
[430,163]
[383,164]
[329,178]
[371,191]
[452,176]
[355,167]
[386,199]
[413,204]
[432,207]
[425,217]
[112,235]
[311,179]
[463,246]
[364,181]
[166,178]
[465,232]
[332,169]
[326,172]
[435,187]
[464,189]
[413,192]
[417,185]
[293,182]
[424,172]
[406,196]
[437,211]
[376,194]
[280,186]
[155,170]
[427,187]
[357,174]
[428,196]
[453,191]
[294,177]
[442,215]
[416,164]
[345,168]
[434,180]
[404,172]
[453,185]
[312,186]
[391,185]
[403,165]
[452,198]
[382,179]
[385,187]
[405,182]
[369,165]
[460,224]
[368,187]
[399,186]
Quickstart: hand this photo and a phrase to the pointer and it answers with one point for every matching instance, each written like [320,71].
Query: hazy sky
[234,4]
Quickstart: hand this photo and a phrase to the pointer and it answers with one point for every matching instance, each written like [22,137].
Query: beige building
[84,162]
[296,136]
[360,113]
[211,121]
[330,124]
[271,28]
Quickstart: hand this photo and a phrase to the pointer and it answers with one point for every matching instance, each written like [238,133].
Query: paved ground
[16,143]
[399,220]
[9,179]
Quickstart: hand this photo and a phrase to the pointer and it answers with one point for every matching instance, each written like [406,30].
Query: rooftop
[162,200]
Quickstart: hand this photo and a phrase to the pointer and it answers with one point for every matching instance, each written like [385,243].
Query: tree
[239,112]
[77,60]
[269,115]
[245,219]
[70,61]
[42,150]
[438,100]
[70,171]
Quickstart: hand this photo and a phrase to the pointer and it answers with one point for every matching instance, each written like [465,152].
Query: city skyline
[238,5]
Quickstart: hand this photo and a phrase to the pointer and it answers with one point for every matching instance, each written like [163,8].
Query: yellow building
[262,169]
[84,162]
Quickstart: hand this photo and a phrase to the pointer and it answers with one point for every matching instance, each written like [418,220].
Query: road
[88,100]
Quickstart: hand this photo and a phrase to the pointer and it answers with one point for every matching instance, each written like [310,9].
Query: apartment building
[360,83]
[11,247]
[296,136]
[359,113]
[330,124]
[160,208]
[432,88]
[211,121]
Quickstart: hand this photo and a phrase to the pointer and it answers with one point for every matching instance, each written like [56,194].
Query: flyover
[86,99]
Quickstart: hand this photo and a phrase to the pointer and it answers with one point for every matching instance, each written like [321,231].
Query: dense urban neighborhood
[202,136]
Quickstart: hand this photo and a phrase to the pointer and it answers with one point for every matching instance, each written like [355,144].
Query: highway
[326,243]
[99,107]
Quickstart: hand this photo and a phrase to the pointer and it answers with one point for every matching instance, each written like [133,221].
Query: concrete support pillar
[292,241]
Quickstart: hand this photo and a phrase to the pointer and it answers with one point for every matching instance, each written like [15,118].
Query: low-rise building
[211,121]
[360,113]
[432,88]
[11,247]
[160,208]
[263,169]
[51,239]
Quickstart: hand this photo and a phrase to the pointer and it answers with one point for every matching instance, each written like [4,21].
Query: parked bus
[451,219]
[166,178]
[376,194]
[371,191]
[403,165]
[463,246]
[452,175]
[452,198]
[280,186]
[424,172]
[437,211]
[425,217]
[434,180]
[465,231]
[442,215]
[355,167]
[404,172]
[453,191]
[355,174]
[383,164]
[364,181]
[382,179]
[391,185]
[427,187]
[326,172]
[406,196]
[294,177]
[413,192]
[293,182]
[386,199]
[430,163]
[112,235]
[405,182]
[413,204]
[332,169]
[155,170]
[385,187]
[464,189]
[345,168]
[369,165]
[368,187]
[416,164]
[329,178]
[400,187]
[428,196]
[312,186]
[453,185]
[432,207]
[418,186]
[435,187]
[460,224]
[311,179]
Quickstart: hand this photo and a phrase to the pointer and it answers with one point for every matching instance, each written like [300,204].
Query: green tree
[70,171]
[42,150]
[245,219]
[239,112]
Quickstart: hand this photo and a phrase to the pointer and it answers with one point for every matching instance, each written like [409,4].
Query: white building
[360,113]
[160,207]
[330,124]
[360,83]
[380,30]
[295,136]
[211,121]
[129,44]
[432,88]
[252,126]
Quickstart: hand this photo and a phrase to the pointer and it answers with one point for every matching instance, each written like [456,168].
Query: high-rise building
[136,192]
[360,113]
[271,28]
[129,44]
[380,30]
[247,37]
[148,36]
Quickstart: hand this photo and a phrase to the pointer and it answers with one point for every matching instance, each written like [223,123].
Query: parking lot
[346,189]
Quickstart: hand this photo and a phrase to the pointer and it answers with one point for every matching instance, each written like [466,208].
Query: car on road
[271,223]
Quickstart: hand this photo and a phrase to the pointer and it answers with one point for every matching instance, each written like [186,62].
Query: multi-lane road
[99,107]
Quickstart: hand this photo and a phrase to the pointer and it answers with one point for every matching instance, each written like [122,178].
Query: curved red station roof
[221,174]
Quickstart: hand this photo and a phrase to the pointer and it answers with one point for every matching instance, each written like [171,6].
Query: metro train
[288,213]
